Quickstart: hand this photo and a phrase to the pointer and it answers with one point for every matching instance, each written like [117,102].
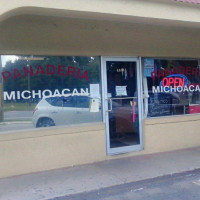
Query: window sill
[171,119]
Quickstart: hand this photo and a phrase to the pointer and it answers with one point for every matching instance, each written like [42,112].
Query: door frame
[126,149]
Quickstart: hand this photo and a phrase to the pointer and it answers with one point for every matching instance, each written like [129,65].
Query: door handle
[109,100]
[54,112]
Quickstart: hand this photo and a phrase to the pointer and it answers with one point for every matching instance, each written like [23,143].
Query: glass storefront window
[171,87]
[47,91]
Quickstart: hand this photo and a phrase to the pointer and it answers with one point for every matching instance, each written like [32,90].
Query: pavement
[181,186]
[96,176]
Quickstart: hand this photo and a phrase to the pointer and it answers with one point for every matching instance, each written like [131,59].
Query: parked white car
[53,111]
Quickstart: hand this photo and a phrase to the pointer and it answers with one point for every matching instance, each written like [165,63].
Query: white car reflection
[53,111]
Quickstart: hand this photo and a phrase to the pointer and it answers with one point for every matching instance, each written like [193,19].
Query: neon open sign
[175,83]
[174,80]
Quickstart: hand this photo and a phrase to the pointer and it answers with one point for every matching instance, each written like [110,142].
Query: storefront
[77,90]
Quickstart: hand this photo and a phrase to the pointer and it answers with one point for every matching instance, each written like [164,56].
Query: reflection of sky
[5,59]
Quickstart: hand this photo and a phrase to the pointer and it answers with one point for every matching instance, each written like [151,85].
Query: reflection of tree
[55,81]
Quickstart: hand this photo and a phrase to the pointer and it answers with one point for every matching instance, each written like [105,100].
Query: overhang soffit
[118,10]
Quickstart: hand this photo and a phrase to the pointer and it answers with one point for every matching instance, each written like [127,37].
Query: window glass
[69,101]
[55,101]
[171,87]
[82,102]
[41,91]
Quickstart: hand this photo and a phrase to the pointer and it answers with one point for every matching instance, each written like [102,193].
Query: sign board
[148,67]
[159,105]
[121,90]
[94,91]
[94,105]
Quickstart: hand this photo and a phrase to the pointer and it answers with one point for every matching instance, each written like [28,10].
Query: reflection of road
[16,120]
[18,115]
[21,120]
[13,126]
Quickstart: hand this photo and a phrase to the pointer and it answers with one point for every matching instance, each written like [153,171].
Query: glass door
[122,104]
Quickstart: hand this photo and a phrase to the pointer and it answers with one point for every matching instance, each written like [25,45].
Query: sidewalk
[62,182]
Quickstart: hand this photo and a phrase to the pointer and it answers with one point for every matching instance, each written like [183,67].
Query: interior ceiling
[42,35]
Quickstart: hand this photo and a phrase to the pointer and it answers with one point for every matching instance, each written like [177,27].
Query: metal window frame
[137,60]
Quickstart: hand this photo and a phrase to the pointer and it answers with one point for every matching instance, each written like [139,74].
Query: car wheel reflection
[45,122]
